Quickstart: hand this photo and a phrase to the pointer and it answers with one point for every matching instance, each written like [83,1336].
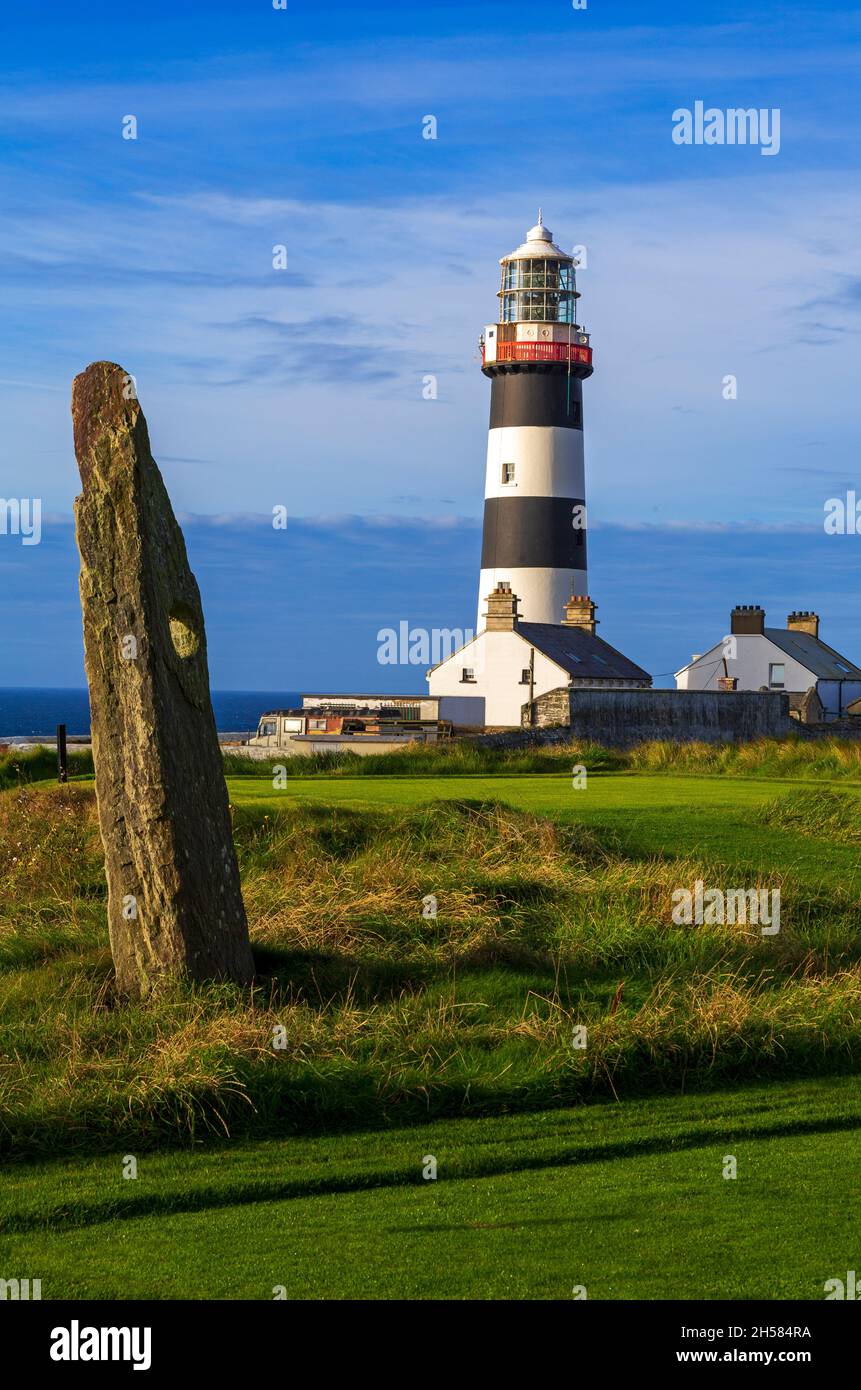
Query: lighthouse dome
[539,232]
[539,244]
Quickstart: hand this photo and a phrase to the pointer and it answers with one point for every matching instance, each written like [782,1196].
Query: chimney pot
[803,621]
[747,619]
[502,612]
[580,612]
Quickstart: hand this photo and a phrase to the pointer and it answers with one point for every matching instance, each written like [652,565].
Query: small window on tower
[468,677]
[508,472]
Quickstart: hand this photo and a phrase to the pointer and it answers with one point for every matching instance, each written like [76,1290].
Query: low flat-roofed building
[358,723]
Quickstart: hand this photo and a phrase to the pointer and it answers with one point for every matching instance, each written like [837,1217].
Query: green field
[628,1202]
[401,1037]
[650,814]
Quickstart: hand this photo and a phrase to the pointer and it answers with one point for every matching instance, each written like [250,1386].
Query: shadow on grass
[63,1217]
[323,980]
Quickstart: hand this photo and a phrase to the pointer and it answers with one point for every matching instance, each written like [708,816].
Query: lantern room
[537,321]
[539,282]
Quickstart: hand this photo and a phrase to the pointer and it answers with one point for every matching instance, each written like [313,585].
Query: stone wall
[621,718]
[549,709]
[835,728]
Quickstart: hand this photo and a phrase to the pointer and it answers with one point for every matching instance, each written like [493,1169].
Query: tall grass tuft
[40,764]
[792,757]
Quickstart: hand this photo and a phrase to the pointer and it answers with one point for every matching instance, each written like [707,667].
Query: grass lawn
[299,1163]
[650,813]
[629,1201]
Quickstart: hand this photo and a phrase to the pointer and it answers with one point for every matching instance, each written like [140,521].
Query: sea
[27,713]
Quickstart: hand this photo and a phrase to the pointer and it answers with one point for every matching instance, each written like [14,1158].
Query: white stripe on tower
[548,462]
[535,461]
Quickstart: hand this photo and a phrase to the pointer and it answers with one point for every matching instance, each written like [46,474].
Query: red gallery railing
[542,352]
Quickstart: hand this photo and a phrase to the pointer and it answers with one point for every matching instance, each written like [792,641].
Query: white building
[511,662]
[794,659]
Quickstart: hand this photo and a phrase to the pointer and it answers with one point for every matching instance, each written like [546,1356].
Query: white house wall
[497,659]
[754,654]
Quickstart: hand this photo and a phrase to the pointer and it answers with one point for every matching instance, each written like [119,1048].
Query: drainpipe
[531,686]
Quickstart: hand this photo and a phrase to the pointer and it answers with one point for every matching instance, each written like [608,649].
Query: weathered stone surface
[174,900]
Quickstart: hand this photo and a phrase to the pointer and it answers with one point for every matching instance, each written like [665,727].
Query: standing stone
[174,901]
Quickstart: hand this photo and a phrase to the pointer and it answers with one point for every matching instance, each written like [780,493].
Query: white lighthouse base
[543,593]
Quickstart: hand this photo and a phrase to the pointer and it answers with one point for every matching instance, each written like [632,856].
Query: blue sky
[303,387]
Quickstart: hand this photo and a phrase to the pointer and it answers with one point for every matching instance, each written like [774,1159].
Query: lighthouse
[535,642]
[537,356]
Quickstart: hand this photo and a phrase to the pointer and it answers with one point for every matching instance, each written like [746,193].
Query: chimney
[747,619]
[502,612]
[803,622]
[580,612]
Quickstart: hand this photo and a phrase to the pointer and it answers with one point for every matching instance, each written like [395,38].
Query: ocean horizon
[35,711]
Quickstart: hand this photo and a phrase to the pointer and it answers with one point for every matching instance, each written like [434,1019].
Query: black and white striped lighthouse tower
[537,357]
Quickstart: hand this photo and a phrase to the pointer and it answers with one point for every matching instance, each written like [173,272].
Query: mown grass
[645,816]
[629,1201]
[385,1016]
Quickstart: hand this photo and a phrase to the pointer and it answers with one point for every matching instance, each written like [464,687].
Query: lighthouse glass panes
[538,290]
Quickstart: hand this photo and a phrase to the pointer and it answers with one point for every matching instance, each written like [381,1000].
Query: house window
[468,676]
[268,728]
[316,723]
[777,675]
[508,472]
[524,676]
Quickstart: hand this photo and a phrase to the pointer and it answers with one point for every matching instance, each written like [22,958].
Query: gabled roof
[822,661]
[579,653]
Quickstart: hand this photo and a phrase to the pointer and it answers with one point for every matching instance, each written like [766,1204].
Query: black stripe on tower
[533,532]
[536,397]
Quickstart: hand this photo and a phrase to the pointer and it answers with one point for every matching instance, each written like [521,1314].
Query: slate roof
[580,654]
[822,661]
